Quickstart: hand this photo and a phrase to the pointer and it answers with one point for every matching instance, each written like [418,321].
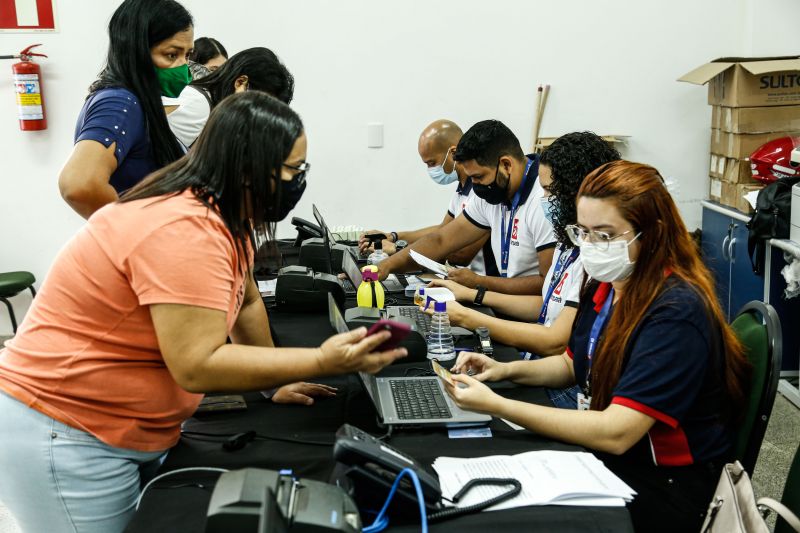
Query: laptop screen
[331,240]
[340,325]
[351,269]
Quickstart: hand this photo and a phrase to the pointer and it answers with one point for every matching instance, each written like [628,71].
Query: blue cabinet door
[745,285]
[715,240]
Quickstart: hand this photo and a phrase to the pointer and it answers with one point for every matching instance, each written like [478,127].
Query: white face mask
[438,174]
[613,264]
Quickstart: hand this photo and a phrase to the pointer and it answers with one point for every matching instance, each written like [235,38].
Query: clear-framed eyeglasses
[601,239]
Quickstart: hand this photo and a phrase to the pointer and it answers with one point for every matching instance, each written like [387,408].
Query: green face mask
[173,80]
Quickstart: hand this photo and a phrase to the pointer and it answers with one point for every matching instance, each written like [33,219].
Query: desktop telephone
[305,230]
[301,289]
[367,468]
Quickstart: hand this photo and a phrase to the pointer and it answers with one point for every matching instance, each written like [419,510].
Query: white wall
[612,67]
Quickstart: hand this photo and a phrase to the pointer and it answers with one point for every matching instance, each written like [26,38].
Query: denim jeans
[562,398]
[55,478]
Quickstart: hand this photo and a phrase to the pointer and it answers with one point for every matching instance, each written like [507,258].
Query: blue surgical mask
[438,174]
[547,208]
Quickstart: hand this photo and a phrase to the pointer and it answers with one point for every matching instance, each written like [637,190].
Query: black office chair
[11,284]
[759,330]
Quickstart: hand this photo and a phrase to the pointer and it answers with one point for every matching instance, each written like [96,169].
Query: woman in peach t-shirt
[130,325]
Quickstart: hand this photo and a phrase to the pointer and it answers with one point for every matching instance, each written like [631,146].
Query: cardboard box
[741,203]
[728,194]
[741,145]
[749,81]
[730,170]
[737,171]
[756,119]
[715,189]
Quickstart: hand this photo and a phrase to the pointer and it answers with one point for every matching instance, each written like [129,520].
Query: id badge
[584,402]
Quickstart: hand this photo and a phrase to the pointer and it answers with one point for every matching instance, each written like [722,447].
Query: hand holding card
[442,372]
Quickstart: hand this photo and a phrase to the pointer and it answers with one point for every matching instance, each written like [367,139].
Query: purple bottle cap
[440,307]
[369,275]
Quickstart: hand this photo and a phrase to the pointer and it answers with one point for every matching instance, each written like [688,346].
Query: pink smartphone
[398,330]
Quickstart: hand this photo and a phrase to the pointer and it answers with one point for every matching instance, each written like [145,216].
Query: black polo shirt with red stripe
[672,371]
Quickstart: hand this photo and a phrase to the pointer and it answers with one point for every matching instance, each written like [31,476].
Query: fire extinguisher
[28,86]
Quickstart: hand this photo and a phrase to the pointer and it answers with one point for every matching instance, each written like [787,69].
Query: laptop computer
[423,320]
[391,285]
[412,401]
[329,238]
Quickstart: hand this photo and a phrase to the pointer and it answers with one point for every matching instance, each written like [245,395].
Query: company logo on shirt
[514,232]
[557,290]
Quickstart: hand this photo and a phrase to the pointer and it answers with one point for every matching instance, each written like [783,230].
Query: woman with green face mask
[122,134]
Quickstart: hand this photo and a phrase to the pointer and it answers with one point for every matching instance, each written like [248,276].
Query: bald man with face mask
[437,145]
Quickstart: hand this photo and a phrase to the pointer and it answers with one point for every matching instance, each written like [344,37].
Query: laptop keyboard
[420,318]
[419,398]
[347,285]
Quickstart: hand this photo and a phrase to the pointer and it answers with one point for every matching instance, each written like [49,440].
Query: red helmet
[773,160]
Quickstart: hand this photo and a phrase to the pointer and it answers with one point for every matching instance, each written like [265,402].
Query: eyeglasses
[303,169]
[601,239]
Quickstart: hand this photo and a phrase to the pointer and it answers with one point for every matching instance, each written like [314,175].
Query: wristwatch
[480,294]
[394,236]
[399,245]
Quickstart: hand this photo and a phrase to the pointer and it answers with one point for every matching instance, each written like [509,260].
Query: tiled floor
[777,452]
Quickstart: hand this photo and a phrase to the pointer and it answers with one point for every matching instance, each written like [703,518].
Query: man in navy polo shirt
[507,206]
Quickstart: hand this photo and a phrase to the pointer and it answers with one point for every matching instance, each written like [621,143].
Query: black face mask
[291,192]
[492,193]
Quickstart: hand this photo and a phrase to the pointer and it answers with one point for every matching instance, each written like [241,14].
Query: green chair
[11,284]
[759,330]
[791,494]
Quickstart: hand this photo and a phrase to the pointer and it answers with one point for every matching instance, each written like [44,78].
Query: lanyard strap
[562,265]
[594,337]
[505,233]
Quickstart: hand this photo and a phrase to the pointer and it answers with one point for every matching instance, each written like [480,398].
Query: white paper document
[547,477]
[267,287]
[437,268]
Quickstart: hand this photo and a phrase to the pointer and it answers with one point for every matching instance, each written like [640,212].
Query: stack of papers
[547,477]
[267,287]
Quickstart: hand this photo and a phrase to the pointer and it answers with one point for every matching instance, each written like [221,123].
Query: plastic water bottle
[440,336]
[378,255]
[419,296]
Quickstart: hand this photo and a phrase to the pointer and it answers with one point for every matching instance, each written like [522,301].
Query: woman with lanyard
[130,326]
[543,324]
[122,133]
[254,69]
[663,377]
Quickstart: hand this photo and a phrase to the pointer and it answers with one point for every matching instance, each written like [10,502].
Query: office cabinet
[724,246]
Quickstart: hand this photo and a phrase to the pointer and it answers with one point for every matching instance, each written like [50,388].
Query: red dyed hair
[639,193]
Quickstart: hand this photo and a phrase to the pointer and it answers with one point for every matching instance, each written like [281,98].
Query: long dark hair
[571,158]
[206,49]
[264,72]
[639,193]
[135,27]
[242,148]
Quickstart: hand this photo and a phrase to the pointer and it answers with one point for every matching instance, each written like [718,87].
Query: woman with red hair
[663,377]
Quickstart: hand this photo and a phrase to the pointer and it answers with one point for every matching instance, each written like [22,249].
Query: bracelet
[480,294]
[394,236]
